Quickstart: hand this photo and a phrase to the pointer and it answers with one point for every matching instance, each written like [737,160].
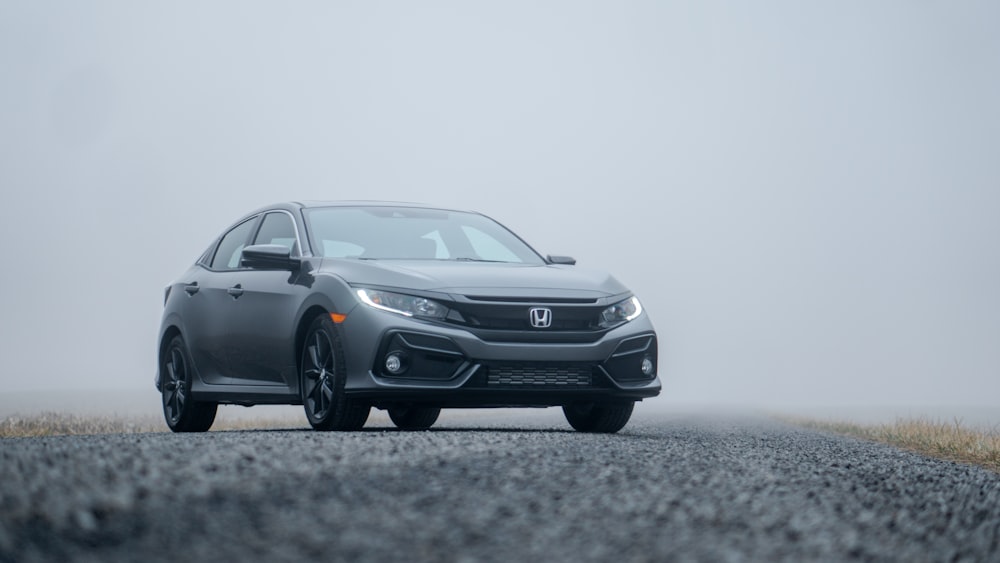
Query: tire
[603,418]
[180,410]
[414,418]
[322,374]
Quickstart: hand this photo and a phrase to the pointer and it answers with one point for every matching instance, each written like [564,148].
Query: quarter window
[227,256]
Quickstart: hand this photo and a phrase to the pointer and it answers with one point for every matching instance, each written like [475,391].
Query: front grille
[540,375]
[503,316]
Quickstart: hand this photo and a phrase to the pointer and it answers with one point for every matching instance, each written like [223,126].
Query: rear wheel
[598,417]
[414,418]
[322,377]
[180,410]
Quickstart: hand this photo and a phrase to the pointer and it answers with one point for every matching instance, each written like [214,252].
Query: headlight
[621,312]
[407,305]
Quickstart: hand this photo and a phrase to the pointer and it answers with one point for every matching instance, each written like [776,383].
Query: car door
[264,322]
[210,308]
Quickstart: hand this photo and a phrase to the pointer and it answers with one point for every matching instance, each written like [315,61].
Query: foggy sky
[805,195]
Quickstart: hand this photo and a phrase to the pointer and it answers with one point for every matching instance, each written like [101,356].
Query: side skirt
[245,395]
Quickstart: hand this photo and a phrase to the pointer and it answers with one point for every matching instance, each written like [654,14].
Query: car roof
[310,204]
[306,204]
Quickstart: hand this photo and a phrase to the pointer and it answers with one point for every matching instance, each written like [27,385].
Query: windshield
[409,233]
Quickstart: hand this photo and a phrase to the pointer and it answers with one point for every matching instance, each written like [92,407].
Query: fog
[805,196]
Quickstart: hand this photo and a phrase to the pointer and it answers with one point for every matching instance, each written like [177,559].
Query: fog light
[647,366]
[394,363]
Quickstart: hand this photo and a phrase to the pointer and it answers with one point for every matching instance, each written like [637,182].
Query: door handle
[235,291]
[191,288]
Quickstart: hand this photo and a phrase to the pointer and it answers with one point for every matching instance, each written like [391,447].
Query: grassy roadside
[61,424]
[56,424]
[944,440]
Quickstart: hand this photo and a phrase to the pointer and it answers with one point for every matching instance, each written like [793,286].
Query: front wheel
[414,418]
[181,411]
[321,380]
[597,417]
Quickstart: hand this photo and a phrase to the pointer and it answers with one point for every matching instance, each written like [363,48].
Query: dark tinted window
[413,234]
[227,257]
[277,228]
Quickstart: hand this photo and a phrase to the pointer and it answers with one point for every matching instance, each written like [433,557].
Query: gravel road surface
[504,486]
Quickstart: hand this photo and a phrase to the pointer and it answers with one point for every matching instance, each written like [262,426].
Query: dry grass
[60,424]
[944,440]
[55,424]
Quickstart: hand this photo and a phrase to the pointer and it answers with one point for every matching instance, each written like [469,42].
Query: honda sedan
[341,307]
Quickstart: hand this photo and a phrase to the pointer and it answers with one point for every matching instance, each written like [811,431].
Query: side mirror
[269,257]
[565,260]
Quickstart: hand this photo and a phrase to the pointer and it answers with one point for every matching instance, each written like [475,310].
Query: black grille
[501,316]
[540,375]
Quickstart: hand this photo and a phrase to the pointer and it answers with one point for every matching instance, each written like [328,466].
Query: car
[409,308]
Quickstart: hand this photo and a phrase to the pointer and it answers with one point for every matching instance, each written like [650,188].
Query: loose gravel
[666,488]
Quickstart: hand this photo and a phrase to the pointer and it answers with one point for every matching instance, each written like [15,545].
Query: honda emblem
[540,317]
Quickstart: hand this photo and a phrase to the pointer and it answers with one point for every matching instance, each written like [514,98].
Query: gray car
[345,306]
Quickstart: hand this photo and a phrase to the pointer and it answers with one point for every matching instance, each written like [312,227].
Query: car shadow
[393,429]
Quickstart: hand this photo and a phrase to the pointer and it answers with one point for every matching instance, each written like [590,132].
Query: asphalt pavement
[503,486]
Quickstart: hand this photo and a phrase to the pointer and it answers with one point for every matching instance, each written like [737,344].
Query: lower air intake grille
[540,375]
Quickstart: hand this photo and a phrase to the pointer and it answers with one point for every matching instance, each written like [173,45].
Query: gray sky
[805,195]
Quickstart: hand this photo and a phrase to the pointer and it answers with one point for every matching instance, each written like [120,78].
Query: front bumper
[450,367]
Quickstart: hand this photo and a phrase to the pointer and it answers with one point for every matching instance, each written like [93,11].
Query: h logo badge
[540,317]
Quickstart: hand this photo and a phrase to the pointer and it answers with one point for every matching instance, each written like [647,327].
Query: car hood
[478,278]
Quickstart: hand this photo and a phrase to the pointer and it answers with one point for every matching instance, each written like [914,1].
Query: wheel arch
[167,335]
[308,316]
[329,290]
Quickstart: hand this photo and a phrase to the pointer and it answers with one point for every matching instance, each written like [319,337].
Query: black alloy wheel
[322,379]
[598,417]
[414,418]
[181,411]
